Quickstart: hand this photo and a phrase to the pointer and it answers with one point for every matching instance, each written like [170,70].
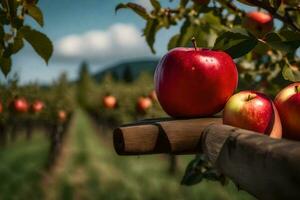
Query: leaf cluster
[14,31]
[219,25]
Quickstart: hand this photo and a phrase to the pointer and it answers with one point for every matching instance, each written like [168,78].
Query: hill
[128,70]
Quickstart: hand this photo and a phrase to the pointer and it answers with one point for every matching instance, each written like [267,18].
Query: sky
[86,30]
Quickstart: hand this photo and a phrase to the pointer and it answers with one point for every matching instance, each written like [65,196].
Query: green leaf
[186,33]
[199,169]
[150,31]
[173,42]
[18,43]
[193,173]
[289,35]
[36,14]
[140,10]
[235,44]
[291,73]
[282,44]
[39,41]
[156,5]
[5,65]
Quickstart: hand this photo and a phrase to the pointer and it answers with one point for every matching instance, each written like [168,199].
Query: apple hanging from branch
[61,116]
[194,82]
[109,102]
[253,111]
[143,104]
[19,105]
[258,23]
[37,106]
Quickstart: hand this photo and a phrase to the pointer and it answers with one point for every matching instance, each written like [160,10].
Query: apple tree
[266,55]
[14,31]
[263,42]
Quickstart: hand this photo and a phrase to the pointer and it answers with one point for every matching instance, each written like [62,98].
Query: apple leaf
[277,42]
[36,14]
[173,42]
[291,73]
[235,44]
[150,31]
[186,33]
[40,42]
[200,169]
[182,39]
[140,10]
[18,43]
[5,65]
[289,34]
[156,5]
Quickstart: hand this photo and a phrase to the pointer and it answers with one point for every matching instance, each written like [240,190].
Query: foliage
[84,85]
[13,31]
[58,96]
[199,169]
[218,25]
[127,94]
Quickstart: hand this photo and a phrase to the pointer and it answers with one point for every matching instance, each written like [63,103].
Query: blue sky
[86,30]
[67,21]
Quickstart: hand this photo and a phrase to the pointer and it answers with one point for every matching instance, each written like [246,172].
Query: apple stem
[194,43]
[296,88]
[249,97]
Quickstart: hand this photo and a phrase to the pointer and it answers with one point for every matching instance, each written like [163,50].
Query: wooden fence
[265,167]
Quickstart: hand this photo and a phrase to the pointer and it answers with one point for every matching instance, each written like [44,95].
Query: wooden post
[166,136]
[265,167]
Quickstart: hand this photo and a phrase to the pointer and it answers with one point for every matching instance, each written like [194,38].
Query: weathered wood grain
[166,136]
[265,167]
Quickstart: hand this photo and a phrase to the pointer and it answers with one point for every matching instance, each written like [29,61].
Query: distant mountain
[128,70]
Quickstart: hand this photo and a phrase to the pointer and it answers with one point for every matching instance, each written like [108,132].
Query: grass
[21,168]
[92,170]
[88,168]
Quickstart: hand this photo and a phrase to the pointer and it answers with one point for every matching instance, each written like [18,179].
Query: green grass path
[90,169]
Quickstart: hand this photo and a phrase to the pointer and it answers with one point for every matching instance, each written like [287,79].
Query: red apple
[287,102]
[19,105]
[254,111]
[258,23]
[152,95]
[62,115]
[194,82]
[37,106]
[109,101]
[143,104]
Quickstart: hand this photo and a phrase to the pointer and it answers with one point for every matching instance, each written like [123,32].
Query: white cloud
[119,41]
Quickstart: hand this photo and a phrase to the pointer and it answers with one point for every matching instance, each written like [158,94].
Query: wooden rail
[161,136]
[265,167]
